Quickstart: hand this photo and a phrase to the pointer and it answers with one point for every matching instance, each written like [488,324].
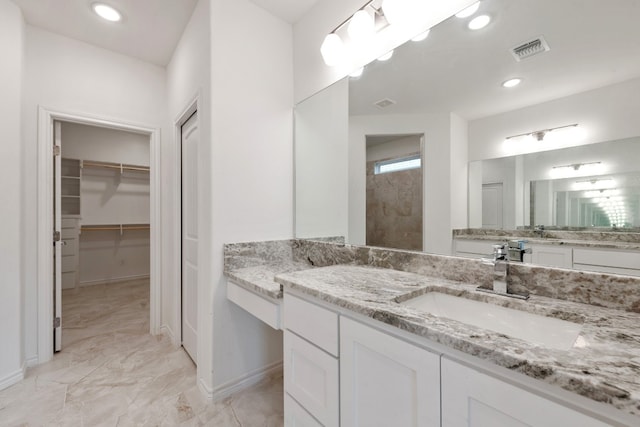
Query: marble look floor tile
[112,372]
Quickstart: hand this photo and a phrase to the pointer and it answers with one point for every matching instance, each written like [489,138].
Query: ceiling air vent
[529,48]
[384,103]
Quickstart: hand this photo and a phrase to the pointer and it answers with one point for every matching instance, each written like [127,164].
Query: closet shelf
[117,166]
[115,227]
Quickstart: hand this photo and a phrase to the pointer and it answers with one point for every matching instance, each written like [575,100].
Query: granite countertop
[603,364]
[259,278]
[587,239]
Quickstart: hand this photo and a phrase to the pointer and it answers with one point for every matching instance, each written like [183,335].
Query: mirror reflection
[494,152]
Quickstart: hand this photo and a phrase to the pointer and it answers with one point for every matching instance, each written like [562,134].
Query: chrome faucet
[539,229]
[500,263]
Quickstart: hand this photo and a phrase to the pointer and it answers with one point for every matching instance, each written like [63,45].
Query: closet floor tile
[112,372]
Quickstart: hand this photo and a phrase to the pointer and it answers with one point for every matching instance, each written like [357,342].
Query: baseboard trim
[32,361]
[243,382]
[113,280]
[14,377]
[168,332]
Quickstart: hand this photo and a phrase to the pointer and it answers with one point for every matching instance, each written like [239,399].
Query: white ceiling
[593,44]
[150,30]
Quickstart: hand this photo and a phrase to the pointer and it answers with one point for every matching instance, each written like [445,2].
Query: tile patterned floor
[111,372]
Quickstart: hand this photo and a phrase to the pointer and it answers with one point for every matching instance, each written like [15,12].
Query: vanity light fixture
[361,27]
[511,82]
[465,13]
[613,192]
[106,12]
[594,184]
[357,72]
[576,169]
[421,36]
[479,22]
[539,135]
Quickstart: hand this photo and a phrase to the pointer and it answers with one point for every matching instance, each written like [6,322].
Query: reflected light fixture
[511,82]
[467,12]
[594,184]
[539,135]
[421,36]
[332,49]
[479,22]
[576,169]
[106,12]
[386,56]
[357,72]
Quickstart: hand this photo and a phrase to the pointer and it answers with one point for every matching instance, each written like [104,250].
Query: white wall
[441,142]
[11,265]
[311,73]
[70,76]
[604,114]
[401,147]
[107,197]
[251,166]
[188,77]
[321,132]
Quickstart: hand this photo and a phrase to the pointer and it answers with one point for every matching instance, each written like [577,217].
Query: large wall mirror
[561,148]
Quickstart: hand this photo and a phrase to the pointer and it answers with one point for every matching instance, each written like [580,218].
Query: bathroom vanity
[364,346]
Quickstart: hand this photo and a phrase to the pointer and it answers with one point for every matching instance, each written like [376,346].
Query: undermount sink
[533,328]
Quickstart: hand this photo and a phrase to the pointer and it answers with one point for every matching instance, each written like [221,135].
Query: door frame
[46,117]
[179,120]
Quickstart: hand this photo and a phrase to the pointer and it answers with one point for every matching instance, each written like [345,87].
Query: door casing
[46,118]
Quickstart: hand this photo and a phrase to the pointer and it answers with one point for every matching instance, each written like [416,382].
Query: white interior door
[57,238]
[492,206]
[190,141]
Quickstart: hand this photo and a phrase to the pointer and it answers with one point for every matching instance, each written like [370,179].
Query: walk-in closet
[104,202]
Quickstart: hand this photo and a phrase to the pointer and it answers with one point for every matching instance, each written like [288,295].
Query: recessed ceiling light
[479,22]
[511,82]
[421,36]
[106,12]
[465,13]
[386,56]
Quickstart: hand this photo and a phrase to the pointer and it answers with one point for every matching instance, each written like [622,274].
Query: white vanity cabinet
[473,248]
[311,372]
[551,256]
[385,381]
[607,261]
[472,398]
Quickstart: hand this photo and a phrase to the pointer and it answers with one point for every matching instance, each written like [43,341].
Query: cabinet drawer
[69,223]
[69,263]
[317,324]
[69,233]
[265,310]
[311,378]
[296,416]
[552,256]
[69,280]
[70,247]
[614,259]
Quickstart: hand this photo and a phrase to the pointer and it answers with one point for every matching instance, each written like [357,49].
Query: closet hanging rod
[119,227]
[119,166]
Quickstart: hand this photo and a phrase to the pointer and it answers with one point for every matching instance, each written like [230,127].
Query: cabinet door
[471,398]
[311,378]
[385,381]
[552,256]
[296,416]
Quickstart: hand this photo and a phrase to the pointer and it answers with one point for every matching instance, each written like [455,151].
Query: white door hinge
[56,322]
[56,150]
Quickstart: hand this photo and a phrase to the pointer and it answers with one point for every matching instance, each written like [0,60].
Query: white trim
[241,383]
[13,378]
[180,119]
[113,280]
[167,331]
[46,116]
[32,361]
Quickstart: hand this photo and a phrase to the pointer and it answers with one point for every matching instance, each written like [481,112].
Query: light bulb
[465,13]
[361,26]
[386,56]
[479,22]
[332,50]
[421,36]
[107,12]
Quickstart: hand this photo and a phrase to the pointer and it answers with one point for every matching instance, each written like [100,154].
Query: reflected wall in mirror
[448,87]
[394,191]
